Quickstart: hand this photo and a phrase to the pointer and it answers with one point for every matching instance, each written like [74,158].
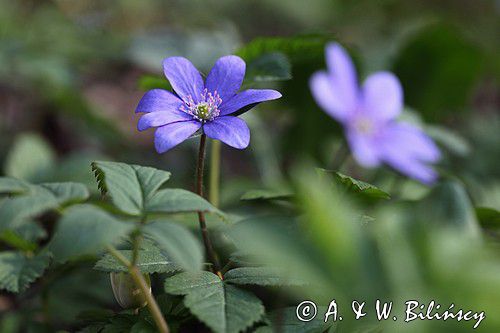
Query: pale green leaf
[177,243]
[15,211]
[17,271]
[86,230]
[130,186]
[148,262]
[29,158]
[11,185]
[66,193]
[24,237]
[222,307]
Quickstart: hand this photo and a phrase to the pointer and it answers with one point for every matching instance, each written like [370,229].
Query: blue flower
[210,106]
[368,115]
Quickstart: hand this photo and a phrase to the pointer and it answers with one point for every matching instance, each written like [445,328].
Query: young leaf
[86,230]
[66,193]
[177,243]
[266,195]
[148,262]
[11,185]
[261,276]
[179,201]
[17,210]
[17,271]
[130,186]
[222,307]
[356,186]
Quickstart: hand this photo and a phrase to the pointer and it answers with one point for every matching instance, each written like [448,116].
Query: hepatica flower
[368,115]
[208,106]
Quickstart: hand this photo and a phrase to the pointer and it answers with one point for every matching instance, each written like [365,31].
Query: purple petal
[156,119]
[345,83]
[328,99]
[364,149]
[158,100]
[382,96]
[226,76]
[407,149]
[169,136]
[412,168]
[249,97]
[233,131]
[406,139]
[184,77]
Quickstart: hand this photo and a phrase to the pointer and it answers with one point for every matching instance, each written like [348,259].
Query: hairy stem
[214,173]
[154,309]
[201,216]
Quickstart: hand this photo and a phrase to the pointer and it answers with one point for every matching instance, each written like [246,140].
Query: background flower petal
[382,96]
[406,139]
[169,136]
[232,131]
[184,77]
[156,119]
[226,76]
[344,76]
[364,149]
[247,98]
[158,100]
[408,149]
[327,97]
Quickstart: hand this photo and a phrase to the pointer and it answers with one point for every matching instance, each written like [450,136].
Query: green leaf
[286,321]
[266,195]
[177,243]
[179,201]
[269,67]
[261,276]
[297,49]
[67,193]
[451,65]
[222,307]
[148,262]
[356,186]
[449,205]
[130,186]
[17,210]
[86,230]
[148,82]
[17,271]
[29,158]
[11,185]
[24,237]
[488,217]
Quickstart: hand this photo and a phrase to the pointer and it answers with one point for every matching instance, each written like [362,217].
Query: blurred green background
[73,71]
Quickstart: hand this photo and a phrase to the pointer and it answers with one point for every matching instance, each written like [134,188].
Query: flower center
[364,126]
[207,109]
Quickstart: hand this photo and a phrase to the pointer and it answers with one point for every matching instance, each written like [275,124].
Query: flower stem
[154,309]
[214,173]
[201,216]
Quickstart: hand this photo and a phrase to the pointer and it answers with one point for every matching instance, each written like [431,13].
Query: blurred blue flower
[195,105]
[368,115]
